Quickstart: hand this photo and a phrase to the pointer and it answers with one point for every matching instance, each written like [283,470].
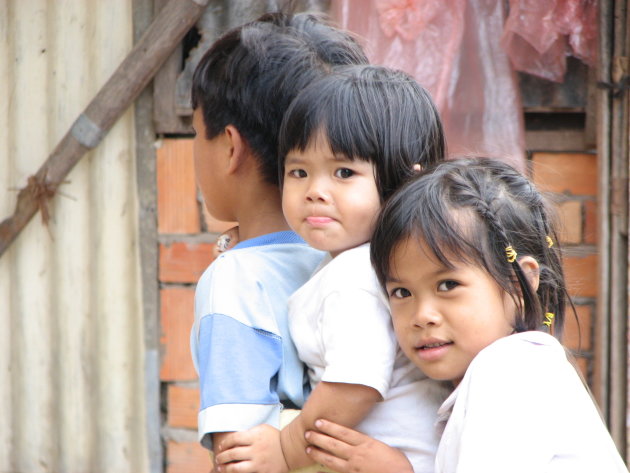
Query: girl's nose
[316,191]
[426,314]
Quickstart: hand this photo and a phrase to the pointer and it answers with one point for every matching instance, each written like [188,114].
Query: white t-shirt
[340,324]
[522,407]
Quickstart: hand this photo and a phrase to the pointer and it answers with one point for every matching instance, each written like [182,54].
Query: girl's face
[443,317]
[327,199]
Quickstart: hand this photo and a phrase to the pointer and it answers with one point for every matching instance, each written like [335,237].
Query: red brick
[590,222]
[570,213]
[177,305]
[183,406]
[566,173]
[215,226]
[187,458]
[178,209]
[184,262]
[581,275]
[574,339]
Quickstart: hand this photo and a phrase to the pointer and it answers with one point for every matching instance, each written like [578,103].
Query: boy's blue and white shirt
[240,342]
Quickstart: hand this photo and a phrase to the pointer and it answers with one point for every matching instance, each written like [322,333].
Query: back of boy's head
[472,210]
[251,74]
[370,113]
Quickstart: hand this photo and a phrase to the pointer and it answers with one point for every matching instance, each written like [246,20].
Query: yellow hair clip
[549,241]
[510,253]
[549,316]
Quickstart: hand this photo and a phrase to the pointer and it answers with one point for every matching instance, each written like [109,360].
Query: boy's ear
[531,269]
[238,148]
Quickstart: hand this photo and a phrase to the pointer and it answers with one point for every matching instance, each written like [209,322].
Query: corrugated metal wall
[71,330]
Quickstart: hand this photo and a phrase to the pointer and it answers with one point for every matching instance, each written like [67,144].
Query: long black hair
[371,113]
[472,210]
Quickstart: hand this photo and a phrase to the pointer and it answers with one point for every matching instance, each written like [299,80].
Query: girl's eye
[447,285]
[400,293]
[344,173]
[297,173]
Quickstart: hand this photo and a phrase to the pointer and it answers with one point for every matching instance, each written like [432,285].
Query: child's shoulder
[278,246]
[352,267]
[266,275]
[355,256]
[519,358]
[283,255]
[530,341]
[523,346]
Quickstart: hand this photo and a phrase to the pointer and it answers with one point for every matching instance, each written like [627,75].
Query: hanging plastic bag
[452,48]
[538,35]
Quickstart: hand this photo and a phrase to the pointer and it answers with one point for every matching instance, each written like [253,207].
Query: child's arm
[358,369]
[261,450]
[348,451]
[346,404]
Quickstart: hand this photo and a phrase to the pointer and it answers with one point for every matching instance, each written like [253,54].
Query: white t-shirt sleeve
[359,341]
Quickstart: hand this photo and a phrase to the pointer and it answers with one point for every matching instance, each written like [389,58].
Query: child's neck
[334,254]
[261,215]
[268,223]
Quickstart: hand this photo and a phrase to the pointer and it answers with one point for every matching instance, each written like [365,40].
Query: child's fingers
[226,240]
[235,439]
[328,460]
[340,432]
[336,447]
[238,467]
[235,454]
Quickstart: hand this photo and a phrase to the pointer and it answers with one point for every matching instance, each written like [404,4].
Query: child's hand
[348,451]
[226,240]
[256,450]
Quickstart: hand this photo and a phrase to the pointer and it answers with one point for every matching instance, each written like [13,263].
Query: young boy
[247,364]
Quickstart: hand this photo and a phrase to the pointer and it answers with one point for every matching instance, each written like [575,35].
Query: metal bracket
[86,132]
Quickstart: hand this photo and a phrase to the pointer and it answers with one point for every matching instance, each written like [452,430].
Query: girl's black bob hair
[471,210]
[370,113]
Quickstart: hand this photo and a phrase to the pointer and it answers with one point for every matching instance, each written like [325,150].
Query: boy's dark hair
[251,74]
[370,113]
[471,210]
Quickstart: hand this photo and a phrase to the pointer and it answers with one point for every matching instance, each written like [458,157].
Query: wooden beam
[118,93]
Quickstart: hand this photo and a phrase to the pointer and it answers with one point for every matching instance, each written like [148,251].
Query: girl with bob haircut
[347,142]
[468,255]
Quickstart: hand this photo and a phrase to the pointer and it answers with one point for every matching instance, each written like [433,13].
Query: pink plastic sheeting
[540,34]
[452,48]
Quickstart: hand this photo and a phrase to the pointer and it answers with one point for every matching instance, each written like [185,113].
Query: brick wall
[570,179]
[186,239]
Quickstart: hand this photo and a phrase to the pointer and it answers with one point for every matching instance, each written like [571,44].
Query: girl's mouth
[432,352]
[319,220]
[434,345]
